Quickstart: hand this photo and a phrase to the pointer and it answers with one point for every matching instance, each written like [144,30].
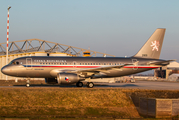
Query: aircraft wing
[161,62]
[89,71]
[105,68]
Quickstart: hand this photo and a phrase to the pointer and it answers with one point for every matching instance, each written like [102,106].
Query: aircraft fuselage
[48,67]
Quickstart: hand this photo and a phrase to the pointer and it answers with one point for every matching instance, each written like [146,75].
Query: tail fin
[153,46]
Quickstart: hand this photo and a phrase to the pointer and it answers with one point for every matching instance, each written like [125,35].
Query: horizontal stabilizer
[161,62]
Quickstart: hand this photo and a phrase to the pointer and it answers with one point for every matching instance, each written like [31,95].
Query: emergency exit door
[28,63]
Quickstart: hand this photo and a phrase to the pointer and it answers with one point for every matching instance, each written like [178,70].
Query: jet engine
[68,78]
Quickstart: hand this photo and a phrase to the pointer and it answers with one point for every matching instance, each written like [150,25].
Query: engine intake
[68,78]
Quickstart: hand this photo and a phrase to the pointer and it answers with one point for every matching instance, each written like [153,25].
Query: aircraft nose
[5,70]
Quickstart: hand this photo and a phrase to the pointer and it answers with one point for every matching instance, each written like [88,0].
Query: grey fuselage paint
[49,67]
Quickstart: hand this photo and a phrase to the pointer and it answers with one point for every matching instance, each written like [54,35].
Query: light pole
[7,36]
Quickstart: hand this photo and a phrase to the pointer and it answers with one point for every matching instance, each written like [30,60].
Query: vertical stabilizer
[153,46]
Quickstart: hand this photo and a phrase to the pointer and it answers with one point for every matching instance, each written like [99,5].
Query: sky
[117,27]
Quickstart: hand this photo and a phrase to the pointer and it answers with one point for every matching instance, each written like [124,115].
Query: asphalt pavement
[151,85]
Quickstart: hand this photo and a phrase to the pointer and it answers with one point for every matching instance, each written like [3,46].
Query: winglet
[152,48]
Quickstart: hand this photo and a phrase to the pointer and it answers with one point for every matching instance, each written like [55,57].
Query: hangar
[38,47]
[166,71]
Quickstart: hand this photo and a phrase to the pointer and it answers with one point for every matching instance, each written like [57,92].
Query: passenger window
[85,63]
[99,63]
[104,63]
[93,63]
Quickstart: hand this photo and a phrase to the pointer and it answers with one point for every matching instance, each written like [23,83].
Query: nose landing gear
[28,83]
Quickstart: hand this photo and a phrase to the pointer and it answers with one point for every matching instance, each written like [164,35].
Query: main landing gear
[89,84]
[79,84]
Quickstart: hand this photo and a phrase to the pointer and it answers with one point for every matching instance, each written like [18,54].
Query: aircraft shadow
[124,85]
[73,85]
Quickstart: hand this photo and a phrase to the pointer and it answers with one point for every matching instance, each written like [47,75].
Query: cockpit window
[14,63]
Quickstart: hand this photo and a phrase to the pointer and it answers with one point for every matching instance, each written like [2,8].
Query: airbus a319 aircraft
[70,70]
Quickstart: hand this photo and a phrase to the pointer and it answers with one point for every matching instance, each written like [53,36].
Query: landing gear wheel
[28,83]
[90,84]
[79,84]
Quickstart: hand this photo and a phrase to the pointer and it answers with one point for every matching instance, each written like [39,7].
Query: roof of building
[38,45]
[173,65]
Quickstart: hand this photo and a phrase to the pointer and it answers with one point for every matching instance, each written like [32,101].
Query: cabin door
[28,63]
[135,64]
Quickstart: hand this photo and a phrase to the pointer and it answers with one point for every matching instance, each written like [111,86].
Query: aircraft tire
[90,85]
[27,85]
[79,84]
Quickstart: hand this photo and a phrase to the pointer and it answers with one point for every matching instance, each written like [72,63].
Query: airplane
[71,70]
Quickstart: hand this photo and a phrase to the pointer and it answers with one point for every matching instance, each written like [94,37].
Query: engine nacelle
[51,80]
[68,78]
